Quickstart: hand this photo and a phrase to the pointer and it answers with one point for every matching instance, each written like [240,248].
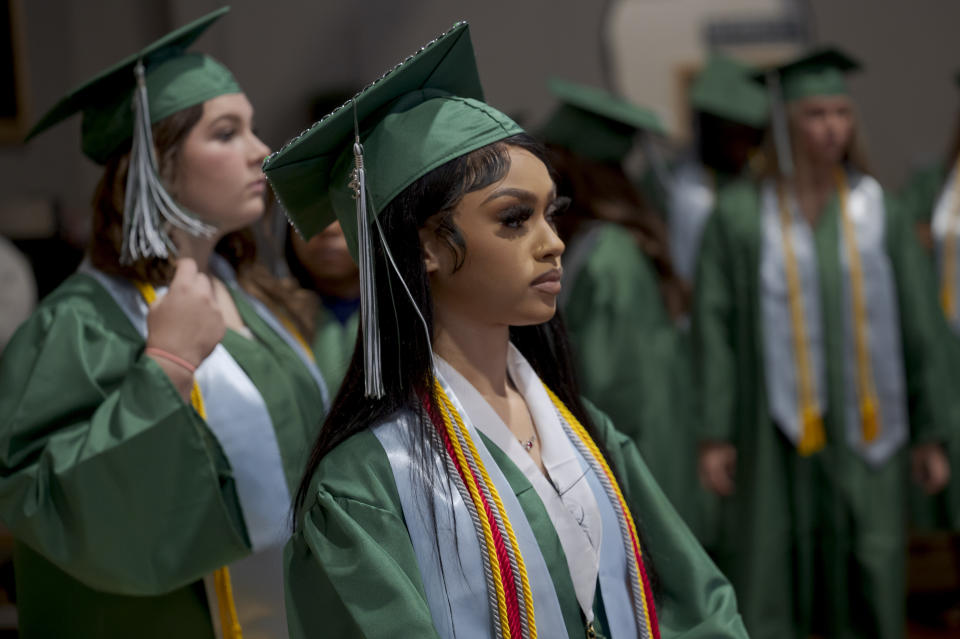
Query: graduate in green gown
[153,412]
[324,265]
[460,487]
[621,297]
[931,199]
[819,368]
[730,110]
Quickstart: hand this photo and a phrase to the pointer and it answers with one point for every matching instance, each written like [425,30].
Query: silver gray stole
[690,202]
[238,418]
[454,579]
[946,231]
[868,214]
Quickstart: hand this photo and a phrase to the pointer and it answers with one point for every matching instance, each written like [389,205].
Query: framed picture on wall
[14,117]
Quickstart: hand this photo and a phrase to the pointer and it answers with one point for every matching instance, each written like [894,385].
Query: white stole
[945,230]
[867,213]
[690,202]
[454,580]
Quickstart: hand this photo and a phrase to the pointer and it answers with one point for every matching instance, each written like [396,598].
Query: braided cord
[640,584]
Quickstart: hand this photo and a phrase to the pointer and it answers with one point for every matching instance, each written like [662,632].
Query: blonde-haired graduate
[460,487]
[155,409]
[820,374]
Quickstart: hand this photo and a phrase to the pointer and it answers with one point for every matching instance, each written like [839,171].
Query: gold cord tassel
[229,623]
[869,410]
[948,267]
[812,435]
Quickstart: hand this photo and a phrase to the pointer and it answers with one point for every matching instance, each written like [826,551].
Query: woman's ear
[431,248]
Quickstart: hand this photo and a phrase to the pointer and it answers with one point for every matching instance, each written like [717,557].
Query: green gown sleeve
[350,567]
[712,316]
[924,331]
[104,469]
[919,196]
[693,597]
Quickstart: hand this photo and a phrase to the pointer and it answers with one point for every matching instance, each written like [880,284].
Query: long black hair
[405,351]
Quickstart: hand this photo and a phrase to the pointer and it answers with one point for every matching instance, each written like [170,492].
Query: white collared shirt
[564,491]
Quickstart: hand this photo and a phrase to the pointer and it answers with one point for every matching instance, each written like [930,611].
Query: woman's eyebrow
[521,194]
[234,118]
[527,197]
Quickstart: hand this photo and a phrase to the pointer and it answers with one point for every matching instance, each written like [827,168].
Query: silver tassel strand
[147,205]
[778,123]
[372,366]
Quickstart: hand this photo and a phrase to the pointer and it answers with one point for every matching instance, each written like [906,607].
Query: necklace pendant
[528,444]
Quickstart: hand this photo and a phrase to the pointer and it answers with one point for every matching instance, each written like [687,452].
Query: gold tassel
[869,410]
[812,436]
[870,420]
[229,623]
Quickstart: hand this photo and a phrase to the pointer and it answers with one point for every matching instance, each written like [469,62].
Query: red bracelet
[159,352]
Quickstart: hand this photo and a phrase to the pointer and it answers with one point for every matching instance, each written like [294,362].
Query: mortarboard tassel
[147,205]
[778,124]
[373,376]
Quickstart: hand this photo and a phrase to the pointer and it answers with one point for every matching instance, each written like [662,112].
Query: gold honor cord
[869,417]
[812,436]
[229,622]
[948,272]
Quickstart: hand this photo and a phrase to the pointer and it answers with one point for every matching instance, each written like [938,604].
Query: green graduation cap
[594,123]
[174,79]
[424,112]
[725,88]
[818,72]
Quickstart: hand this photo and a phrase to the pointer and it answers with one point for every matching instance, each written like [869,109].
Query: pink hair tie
[159,352]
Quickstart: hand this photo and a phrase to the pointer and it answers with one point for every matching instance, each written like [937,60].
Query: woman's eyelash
[515,216]
[559,206]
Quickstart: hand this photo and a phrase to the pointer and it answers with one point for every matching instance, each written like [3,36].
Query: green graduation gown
[632,360]
[119,495]
[919,199]
[333,343]
[809,543]
[351,570]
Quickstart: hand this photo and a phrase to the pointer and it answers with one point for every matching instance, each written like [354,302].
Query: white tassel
[372,366]
[147,205]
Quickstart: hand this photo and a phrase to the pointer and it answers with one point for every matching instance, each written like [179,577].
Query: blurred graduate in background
[819,368]
[622,297]
[730,111]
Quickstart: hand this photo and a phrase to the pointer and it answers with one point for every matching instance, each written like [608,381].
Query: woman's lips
[549,282]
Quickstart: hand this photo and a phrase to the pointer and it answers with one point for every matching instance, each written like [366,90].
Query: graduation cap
[351,164]
[818,72]
[594,123]
[725,88]
[422,113]
[174,79]
[120,104]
